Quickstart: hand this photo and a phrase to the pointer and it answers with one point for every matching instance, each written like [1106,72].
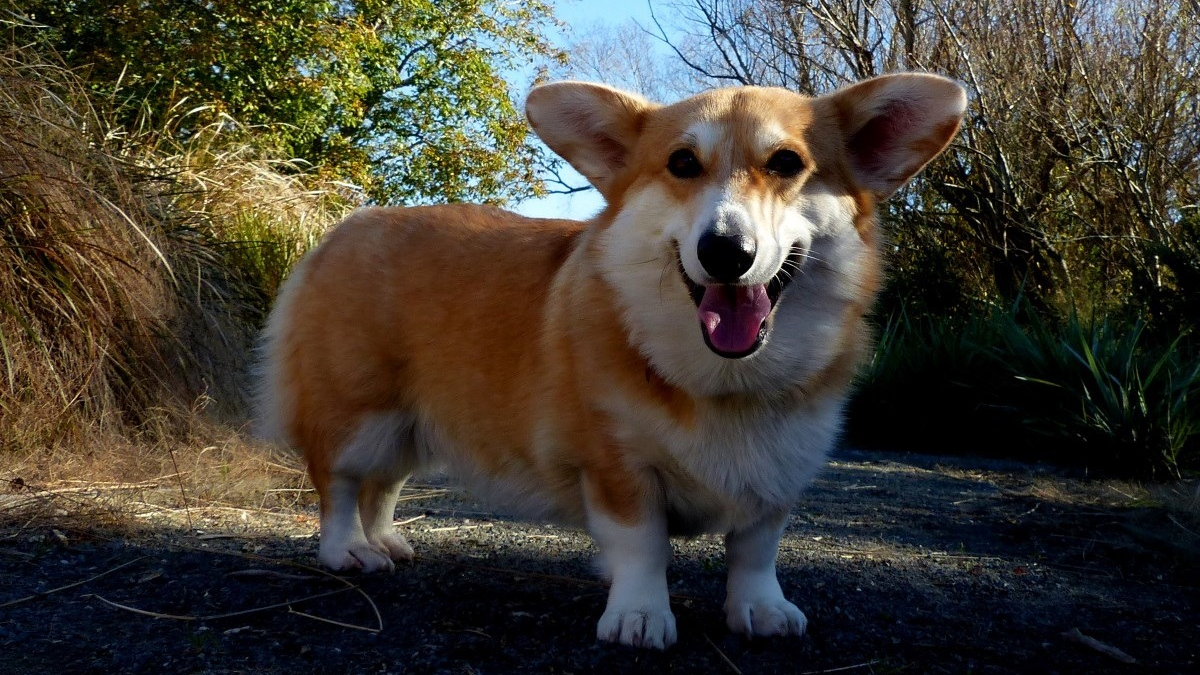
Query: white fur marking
[635,558]
[344,545]
[708,137]
[381,447]
[754,603]
[768,136]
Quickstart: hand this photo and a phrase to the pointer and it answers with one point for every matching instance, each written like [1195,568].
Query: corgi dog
[677,365]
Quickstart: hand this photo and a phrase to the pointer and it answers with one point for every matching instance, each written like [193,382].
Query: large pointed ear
[591,126]
[895,124]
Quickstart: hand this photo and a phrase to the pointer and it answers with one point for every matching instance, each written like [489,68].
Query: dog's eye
[683,163]
[785,164]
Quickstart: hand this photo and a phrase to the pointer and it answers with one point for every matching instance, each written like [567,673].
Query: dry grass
[230,484]
[135,269]
[1181,499]
[83,283]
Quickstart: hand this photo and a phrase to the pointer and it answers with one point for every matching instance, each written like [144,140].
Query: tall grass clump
[134,266]
[1010,382]
[930,387]
[257,213]
[1115,396]
[84,283]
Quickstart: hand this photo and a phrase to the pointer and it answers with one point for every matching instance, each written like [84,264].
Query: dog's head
[740,221]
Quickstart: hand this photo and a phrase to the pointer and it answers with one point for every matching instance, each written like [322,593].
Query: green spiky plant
[1009,382]
[1120,397]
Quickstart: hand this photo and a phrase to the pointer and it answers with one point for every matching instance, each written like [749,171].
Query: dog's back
[446,301]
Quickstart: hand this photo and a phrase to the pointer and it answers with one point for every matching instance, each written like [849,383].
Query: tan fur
[534,355]
[380,328]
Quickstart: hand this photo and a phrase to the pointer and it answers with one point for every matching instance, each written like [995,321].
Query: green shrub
[1012,383]
[1123,400]
[930,388]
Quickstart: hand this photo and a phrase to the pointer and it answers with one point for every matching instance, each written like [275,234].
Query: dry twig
[70,586]
[309,568]
[343,624]
[841,669]
[226,615]
[270,574]
[728,662]
[100,487]
[453,528]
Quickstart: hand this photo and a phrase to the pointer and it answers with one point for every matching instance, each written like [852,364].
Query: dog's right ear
[592,126]
[895,124]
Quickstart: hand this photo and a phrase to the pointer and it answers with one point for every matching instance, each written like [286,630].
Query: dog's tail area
[275,390]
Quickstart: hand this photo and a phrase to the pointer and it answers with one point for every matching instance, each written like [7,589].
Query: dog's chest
[730,468]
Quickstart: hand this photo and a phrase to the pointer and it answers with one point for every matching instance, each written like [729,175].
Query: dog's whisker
[644,262]
[662,279]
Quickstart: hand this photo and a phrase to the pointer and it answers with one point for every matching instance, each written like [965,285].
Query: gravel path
[903,564]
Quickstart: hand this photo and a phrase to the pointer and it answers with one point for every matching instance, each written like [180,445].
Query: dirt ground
[902,563]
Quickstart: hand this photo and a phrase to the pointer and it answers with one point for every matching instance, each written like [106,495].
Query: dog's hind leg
[377,504]
[344,543]
[358,503]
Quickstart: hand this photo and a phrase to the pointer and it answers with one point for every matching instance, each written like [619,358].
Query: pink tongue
[733,315]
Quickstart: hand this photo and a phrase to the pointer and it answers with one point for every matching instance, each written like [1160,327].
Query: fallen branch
[424,494]
[309,568]
[270,574]
[322,619]
[453,528]
[1181,525]
[99,487]
[841,669]
[1108,650]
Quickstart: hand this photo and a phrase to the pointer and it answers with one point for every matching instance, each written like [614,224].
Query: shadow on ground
[902,564]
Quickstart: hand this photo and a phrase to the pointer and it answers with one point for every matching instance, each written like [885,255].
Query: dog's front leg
[754,602]
[634,553]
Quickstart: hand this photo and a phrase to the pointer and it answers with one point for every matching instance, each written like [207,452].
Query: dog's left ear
[592,126]
[895,124]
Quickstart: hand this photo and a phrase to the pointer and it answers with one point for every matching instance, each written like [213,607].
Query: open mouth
[735,320]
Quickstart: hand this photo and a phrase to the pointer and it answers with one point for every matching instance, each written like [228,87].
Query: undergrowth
[1009,382]
[135,267]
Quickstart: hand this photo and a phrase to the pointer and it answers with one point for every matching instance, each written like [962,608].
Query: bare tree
[628,56]
[1076,175]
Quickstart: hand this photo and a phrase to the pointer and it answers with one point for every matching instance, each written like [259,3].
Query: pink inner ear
[874,146]
[611,152]
[590,129]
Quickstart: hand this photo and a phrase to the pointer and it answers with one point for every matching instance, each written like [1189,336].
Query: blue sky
[581,15]
[582,12]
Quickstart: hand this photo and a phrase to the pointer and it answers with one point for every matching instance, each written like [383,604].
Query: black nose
[725,257]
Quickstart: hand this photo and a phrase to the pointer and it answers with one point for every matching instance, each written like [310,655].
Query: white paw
[764,617]
[361,555]
[395,544]
[647,626]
